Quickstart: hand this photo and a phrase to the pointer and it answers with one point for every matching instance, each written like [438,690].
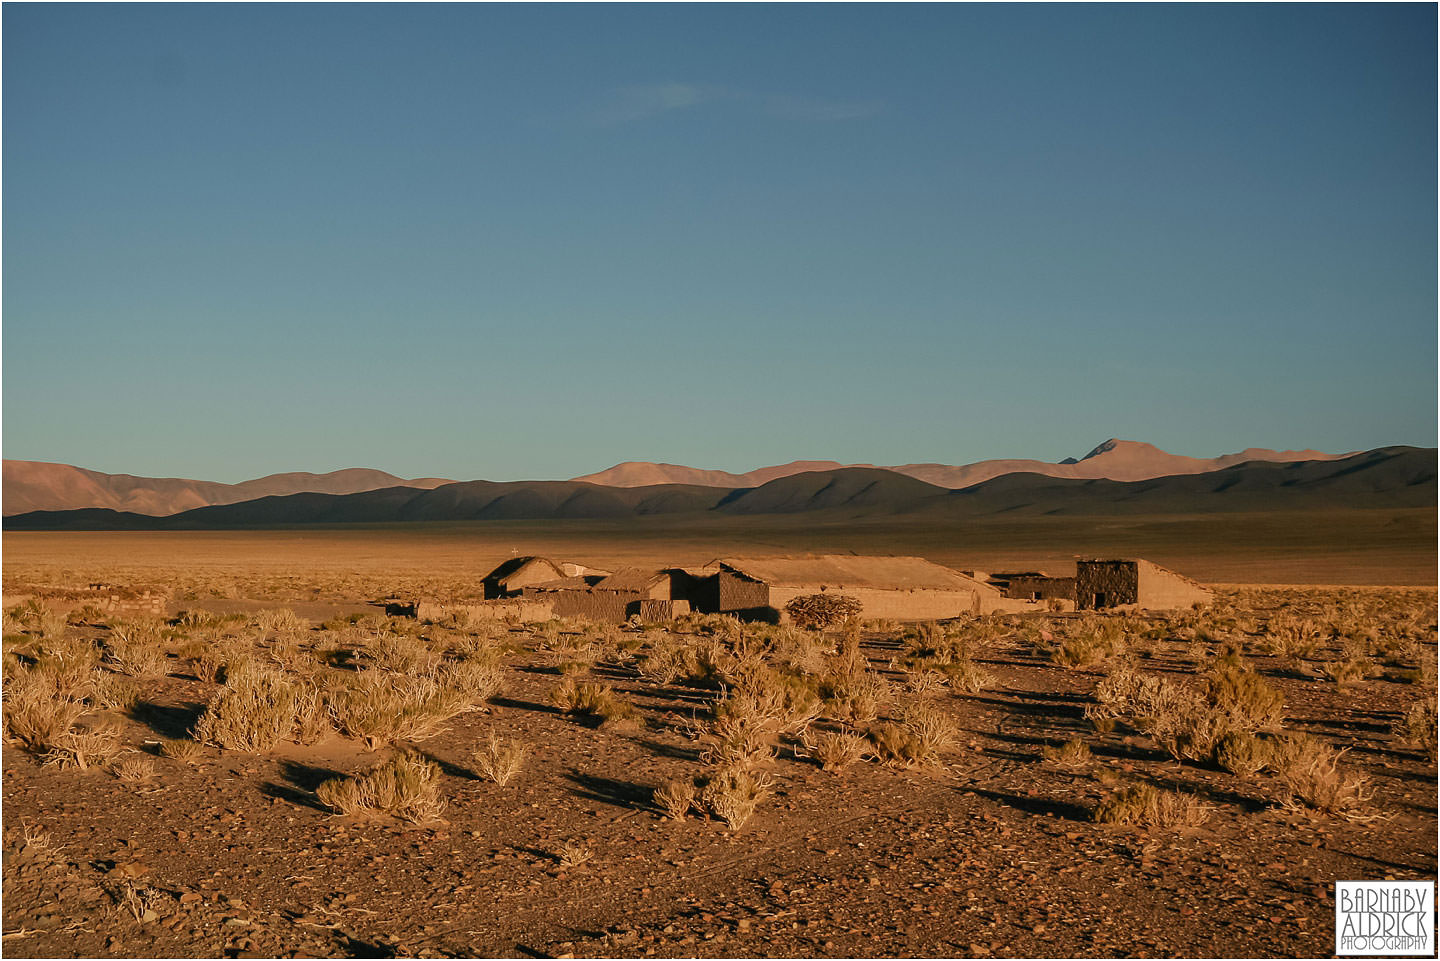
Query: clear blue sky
[531,241]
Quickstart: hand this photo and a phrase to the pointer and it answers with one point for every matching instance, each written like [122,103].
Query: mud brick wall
[651,611]
[1164,590]
[1041,588]
[738,594]
[525,611]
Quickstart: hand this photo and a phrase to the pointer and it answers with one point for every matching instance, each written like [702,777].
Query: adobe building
[903,588]
[1034,586]
[512,577]
[649,594]
[1137,583]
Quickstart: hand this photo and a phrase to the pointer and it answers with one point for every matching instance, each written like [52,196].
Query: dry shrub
[1243,696]
[187,751]
[822,611]
[854,697]
[279,621]
[1145,805]
[573,854]
[137,648]
[675,797]
[83,750]
[1244,755]
[499,760]
[836,750]
[965,675]
[1315,780]
[1073,755]
[1416,726]
[378,705]
[36,711]
[135,768]
[403,654]
[112,692]
[596,701]
[732,794]
[254,711]
[1093,641]
[922,734]
[406,786]
[312,715]
[1352,670]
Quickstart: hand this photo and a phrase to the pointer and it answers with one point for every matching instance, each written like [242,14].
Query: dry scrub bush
[675,797]
[135,768]
[573,854]
[1416,726]
[254,711]
[732,793]
[406,786]
[39,620]
[112,692]
[1145,805]
[187,751]
[836,750]
[279,621]
[43,701]
[82,750]
[597,701]
[378,706]
[1351,670]
[920,737]
[822,611]
[137,649]
[1188,725]
[1092,641]
[499,760]
[1243,755]
[965,675]
[1314,779]
[854,696]
[1073,755]
[403,654]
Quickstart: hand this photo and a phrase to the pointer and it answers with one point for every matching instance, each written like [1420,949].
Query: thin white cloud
[630,104]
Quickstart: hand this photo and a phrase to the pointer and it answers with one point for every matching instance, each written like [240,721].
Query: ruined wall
[1102,584]
[1041,588]
[738,595]
[526,610]
[1165,590]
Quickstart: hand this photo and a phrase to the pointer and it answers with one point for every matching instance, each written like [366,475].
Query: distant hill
[1114,459]
[1391,477]
[38,485]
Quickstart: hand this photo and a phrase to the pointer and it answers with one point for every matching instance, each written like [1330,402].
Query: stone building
[1137,583]
[903,588]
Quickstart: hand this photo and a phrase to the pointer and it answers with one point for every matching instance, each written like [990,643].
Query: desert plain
[1149,784]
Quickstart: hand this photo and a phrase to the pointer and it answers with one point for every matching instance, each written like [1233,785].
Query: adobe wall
[652,611]
[526,610]
[1118,581]
[736,595]
[1164,590]
[917,605]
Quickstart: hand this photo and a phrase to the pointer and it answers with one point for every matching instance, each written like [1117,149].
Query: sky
[531,241]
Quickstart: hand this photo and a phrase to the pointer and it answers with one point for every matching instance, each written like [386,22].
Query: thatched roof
[840,571]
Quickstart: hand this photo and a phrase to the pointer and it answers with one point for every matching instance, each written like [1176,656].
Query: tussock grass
[837,750]
[254,711]
[500,760]
[732,793]
[405,786]
[675,797]
[135,768]
[597,701]
[82,750]
[1416,726]
[1145,805]
[1073,755]
[188,751]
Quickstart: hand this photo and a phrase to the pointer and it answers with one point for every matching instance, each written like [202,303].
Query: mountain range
[1390,477]
[42,486]
[1123,460]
